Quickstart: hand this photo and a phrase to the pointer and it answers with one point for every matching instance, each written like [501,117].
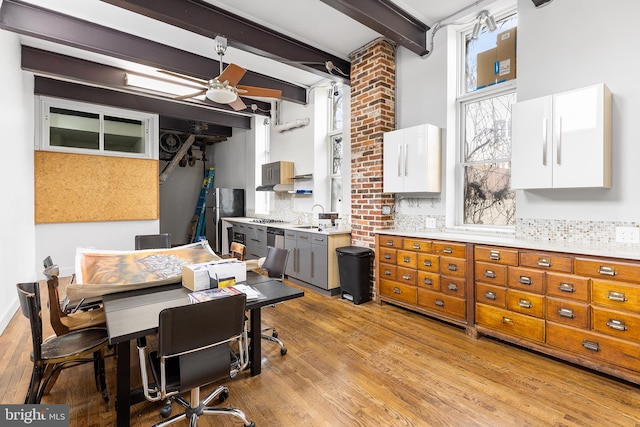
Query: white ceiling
[310,21]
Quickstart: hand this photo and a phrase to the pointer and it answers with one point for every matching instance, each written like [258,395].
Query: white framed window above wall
[336,144]
[78,127]
[487,92]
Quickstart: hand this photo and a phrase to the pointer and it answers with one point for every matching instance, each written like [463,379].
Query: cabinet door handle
[616,296]
[494,255]
[406,276]
[566,312]
[490,274]
[452,267]
[566,287]
[524,303]
[406,259]
[452,287]
[605,270]
[490,295]
[389,242]
[447,250]
[618,325]
[303,237]
[387,256]
[439,302]
[400,160]
[406,160]
[559,146]
[545,141]
[591,345]
[525,280]
[507,320]
[544,262]
[387,273]
[427,263]
[416,246]
[396,290]
[428,282]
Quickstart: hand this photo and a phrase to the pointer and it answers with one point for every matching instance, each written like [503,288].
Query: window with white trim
[335,145]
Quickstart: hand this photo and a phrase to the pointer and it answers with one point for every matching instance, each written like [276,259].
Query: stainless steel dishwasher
[275,237]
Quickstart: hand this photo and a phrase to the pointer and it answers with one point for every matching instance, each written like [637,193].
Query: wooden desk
[134,314]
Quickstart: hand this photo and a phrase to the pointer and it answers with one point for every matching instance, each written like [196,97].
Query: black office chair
[193,351]
[49,357]
[274,265]
[153,241]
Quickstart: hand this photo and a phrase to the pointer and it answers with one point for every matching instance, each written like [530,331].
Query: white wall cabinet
[412,160]
[563,140]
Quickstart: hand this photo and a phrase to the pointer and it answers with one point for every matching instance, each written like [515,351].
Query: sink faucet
[317,204]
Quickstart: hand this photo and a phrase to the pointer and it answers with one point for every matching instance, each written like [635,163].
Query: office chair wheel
[165,411]
[223,396]
[283,351]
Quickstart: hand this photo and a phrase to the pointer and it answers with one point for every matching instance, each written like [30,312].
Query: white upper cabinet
[563,140]
[412,160]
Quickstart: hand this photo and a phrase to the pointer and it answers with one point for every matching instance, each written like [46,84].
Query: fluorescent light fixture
[221,95]
[156,85]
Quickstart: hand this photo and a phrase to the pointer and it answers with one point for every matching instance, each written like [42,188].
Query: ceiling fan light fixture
[221,95]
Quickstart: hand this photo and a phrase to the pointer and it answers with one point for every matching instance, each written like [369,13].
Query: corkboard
[87,188]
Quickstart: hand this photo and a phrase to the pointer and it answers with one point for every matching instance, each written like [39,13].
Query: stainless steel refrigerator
[221,203]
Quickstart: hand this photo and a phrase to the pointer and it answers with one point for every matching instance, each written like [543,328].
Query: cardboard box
[486,74]
[506,55]
[195,276]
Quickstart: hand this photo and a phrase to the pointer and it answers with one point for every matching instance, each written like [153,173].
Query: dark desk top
[134,314]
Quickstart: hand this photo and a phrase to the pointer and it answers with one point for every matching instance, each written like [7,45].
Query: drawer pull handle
[452,287]
[387,256]
[389,242]
[494,255]
[525,280]
[428,282]
[591,345]
[447,250]
[397,290]
[406,259]
[490,274]
[387,272]
[524,303]
[406,276]
[427,263]
[439,302]
[618,325]
[566,312]
[452,267]
[490,295]
[507,320]
[416,246]
[606,270]
[616,296]
[566,287]
[544,262]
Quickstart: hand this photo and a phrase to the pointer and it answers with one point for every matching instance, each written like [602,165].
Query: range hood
[277,176]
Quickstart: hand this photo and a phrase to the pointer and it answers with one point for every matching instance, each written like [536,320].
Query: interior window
[336,145]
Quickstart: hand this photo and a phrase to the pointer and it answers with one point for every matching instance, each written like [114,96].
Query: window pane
[336,155]
[336,109]
[487,128]
[77,129]
[123,135]
[488,198]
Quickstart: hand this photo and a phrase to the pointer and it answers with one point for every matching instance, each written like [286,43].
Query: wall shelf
[305,176]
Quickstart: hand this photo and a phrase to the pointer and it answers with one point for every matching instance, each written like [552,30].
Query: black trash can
[354,265]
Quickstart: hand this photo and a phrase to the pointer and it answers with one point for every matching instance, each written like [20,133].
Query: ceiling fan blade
[238,104]
[191,95]
[259,92]
[233,73]
[195,80]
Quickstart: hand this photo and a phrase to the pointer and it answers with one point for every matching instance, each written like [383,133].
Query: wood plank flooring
[365,365]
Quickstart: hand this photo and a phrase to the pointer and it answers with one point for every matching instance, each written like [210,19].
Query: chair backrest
[275,263]
[153,241]
[238,250]
[29,297]
[198,335]
[47,262]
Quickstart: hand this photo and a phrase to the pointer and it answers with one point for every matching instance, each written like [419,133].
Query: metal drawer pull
[616,296]
[397,291]
[406,259]
[507,320]
[387,256]
[427,263]
[543,262]
[566,287]
[452,267]
[524,303]
[406,277]
[387,272]
[447,250]
[606,270]
[591,345]
[416,246]
[439,303]
[303,237]
[494,255]
[490,295]
[389,242]
[428,282]
[490,274]
[618,325]
[452,287]
[525,280]
[566,312]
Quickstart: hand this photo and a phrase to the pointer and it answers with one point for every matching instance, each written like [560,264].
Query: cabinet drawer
[510,323]
[406,275]
[454,286]
[616,323]
[456,267]
[456,250]
[526,279]
[429,262]
[390,241]
[568,286]
[493,295]
[568,312]
[417,245]
[525,303]
[398,291]
[451,306]
[622,296]
[491,273]
[594,345]
[496,255]
[388,255]
[319,239]
[553,262]
[604,269]
[407,259]
[387,271]
[429,280]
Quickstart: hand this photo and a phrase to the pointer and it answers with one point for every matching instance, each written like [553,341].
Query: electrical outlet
[430,223]
[627,235]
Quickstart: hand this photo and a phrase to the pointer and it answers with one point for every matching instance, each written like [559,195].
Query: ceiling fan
[225,89]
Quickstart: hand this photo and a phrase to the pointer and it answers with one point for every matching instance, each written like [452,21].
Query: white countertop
[289,226]
[603,250]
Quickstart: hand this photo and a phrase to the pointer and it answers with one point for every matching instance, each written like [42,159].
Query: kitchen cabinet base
[329,292]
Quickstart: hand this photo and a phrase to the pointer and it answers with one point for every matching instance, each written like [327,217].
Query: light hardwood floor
[366,365]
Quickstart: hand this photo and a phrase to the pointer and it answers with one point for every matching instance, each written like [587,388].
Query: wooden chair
[238,250]
[50,356]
